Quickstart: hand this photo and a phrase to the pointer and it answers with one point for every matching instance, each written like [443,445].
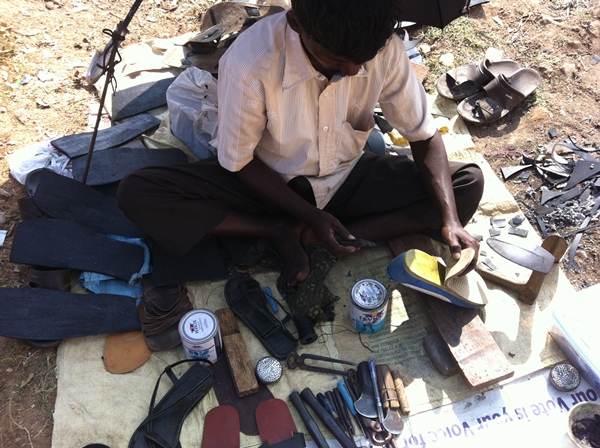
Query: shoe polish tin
[201,335]
[368,306]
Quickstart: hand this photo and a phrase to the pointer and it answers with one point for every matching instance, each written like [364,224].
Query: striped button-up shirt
[275,106]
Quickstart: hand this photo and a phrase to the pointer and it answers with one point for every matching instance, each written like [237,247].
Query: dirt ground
[45,47]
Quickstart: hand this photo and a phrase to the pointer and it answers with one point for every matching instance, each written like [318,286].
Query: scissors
[295,360]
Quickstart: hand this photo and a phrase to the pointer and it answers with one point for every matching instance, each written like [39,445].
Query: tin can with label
[201,335]
[368,306]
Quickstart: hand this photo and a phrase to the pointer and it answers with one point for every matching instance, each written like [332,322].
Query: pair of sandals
[488,90]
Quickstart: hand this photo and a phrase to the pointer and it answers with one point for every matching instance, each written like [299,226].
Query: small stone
[424,48]
[568,69]
[151,19]
[447,59]
[2,110]
[45,76]
[494,54]
[552,133]
[41,103]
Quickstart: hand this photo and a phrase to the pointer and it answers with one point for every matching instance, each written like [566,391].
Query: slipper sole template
[112,165]
[275,422]
[79,144]
[55,243]
[140,98]
[221,428]
[125,351]
[64,198]
[43,314]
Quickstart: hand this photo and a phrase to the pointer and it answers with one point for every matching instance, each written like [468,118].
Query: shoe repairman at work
[296,96]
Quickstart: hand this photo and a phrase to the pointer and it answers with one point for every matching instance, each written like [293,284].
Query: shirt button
[325,128]
[325,94]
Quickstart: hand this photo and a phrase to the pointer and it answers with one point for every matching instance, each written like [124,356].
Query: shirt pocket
[352,141]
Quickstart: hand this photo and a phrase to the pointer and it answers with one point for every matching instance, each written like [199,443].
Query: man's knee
[130,192]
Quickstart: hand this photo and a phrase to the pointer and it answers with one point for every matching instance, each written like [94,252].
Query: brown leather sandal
[499,97]
[160,313]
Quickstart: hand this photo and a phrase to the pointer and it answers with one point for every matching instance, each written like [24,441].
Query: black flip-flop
[64,198]
[112,165]
[247,300]
[42,314]
[56,243]
[163,425]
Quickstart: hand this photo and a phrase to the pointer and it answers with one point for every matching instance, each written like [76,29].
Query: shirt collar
[298,68]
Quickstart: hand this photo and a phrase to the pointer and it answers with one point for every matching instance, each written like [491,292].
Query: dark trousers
[180,205]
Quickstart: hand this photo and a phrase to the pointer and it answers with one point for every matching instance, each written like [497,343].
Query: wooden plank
[480,361]
[237,355]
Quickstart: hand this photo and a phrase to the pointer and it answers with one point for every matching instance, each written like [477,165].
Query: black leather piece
[79,144]
[68,199]
[56,243]
[163,425]
[113,164]
[43,314]
[140,98]
[246,406]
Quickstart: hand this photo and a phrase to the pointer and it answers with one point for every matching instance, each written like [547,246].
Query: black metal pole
[117,36]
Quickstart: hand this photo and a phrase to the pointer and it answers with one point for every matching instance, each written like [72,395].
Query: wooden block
[237,356]
[479,358]
[420,70]
[227,322]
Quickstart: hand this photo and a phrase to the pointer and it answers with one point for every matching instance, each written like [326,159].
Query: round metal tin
[201,335]
[268,370]
[368,306]
[565,377]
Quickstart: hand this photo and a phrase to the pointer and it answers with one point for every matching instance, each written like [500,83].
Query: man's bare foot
[296,265]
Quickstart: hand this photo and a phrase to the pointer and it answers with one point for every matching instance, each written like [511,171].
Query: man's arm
[268,184]
[432,161]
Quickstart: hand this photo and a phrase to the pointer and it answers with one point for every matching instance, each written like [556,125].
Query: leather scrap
[537,258]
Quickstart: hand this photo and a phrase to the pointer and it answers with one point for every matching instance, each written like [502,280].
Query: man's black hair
[353,29]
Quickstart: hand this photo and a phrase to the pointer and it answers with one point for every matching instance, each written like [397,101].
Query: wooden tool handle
[404,407]
[387,389]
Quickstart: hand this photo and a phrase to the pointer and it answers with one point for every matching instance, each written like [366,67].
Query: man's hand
[458,239]
[432,162]
[326,231]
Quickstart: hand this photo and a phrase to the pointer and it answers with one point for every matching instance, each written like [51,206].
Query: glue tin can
[368,306]
[201,335]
